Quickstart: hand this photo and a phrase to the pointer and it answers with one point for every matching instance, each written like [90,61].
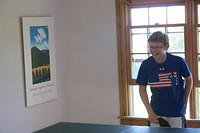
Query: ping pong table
[66,127]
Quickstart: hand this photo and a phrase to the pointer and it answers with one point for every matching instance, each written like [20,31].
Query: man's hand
[153,117]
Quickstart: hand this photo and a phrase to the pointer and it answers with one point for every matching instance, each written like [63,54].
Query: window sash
[165,26]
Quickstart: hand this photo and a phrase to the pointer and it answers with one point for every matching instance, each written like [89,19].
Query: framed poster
[39,59]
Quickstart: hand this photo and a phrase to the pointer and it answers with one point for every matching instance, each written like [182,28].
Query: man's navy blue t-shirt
[166,83]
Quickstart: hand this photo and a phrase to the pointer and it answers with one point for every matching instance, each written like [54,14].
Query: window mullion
[189,47]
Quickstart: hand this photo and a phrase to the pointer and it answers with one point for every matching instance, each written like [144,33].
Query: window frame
[124,58]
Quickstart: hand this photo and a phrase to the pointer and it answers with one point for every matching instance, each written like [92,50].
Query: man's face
[157,49]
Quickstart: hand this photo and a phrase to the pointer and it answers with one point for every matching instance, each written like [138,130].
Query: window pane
[139,16]
[198,52]
[176,42]
[179,54]
[198,35]
[198,14]
[175,29]
[139,43]
[199,67]
[162,29]
[176,14]
[139,30]
[157,15]
[136,62]
[187,115]
[198,102]
[137,108]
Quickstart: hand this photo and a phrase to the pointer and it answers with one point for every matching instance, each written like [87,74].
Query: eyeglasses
[156,47]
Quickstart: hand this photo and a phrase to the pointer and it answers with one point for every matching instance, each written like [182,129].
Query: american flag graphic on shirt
[166,80]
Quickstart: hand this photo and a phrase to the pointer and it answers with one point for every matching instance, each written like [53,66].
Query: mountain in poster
[39,57]
[40,65]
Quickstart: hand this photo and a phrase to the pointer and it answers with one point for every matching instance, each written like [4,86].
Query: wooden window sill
[130,120]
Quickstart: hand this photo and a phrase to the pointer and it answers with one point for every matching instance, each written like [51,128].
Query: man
[164,73]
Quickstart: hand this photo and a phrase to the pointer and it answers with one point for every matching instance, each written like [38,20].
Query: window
[168,19]
[136,21]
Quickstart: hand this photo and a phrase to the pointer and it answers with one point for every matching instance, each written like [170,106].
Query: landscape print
[40,57]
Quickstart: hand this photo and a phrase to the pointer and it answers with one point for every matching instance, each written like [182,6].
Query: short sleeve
[185,71]
[142,77]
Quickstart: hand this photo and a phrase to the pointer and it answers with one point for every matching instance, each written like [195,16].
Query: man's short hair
[158,36]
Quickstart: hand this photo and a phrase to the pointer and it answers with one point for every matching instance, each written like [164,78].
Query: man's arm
[188,88]
[143,94]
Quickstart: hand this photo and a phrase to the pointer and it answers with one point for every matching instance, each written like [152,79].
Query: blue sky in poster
[39,36]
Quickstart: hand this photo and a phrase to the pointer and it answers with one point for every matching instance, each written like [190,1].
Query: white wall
[86,63]
[90,52]
[14,116]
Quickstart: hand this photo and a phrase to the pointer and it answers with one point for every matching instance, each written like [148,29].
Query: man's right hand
[153,117]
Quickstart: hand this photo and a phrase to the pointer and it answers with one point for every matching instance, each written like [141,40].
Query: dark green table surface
[65,127]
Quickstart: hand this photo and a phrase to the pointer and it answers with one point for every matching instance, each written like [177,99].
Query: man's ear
[166,46]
